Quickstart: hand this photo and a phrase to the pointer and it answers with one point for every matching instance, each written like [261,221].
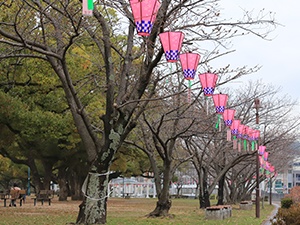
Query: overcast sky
[279,58]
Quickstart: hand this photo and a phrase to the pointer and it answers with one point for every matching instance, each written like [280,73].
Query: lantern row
[144,13]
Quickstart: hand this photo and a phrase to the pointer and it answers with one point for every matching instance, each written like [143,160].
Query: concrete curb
[273,213]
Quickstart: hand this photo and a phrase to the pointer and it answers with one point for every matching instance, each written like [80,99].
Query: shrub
[295,194]
[290,216]
[286,203]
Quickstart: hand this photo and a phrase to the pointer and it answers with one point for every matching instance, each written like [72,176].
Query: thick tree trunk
[221,191]
[164,203]
[62,182]
[162,209]
[93,209]
[204,195]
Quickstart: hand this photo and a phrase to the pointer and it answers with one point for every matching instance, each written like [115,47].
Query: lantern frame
[144,13]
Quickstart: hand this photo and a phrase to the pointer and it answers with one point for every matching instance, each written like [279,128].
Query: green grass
[125,212]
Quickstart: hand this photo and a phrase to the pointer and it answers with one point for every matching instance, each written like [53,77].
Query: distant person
[13,198]
[15,187]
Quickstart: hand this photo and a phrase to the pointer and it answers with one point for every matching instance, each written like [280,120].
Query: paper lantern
[261,149]
[87,7]
[208,82]
[220,101]
[253,136]
[144,13]
[234,131]
[266,155]
[189,63]
[235,127]
[228,116]
[171,42]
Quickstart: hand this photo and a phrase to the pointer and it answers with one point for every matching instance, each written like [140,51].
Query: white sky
[279,58]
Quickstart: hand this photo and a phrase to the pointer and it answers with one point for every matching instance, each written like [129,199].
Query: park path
[274,212]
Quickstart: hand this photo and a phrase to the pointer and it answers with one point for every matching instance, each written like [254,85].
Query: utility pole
[257,205]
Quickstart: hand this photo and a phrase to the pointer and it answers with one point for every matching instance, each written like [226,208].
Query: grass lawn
[124,212]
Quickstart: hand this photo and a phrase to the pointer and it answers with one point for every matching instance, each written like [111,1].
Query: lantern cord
[206,102]
[228,135]
[234,141]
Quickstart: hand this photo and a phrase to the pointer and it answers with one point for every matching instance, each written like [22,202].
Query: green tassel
[90,5]
[252,145]
[245,144]
[218,122]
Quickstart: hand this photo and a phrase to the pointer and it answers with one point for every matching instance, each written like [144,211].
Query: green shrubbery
[286,203]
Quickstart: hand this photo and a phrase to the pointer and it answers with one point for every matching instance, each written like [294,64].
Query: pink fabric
[85,10]
[171,42]
[261,149]
[208,82]
[189,63]
[220,101]
[144,13]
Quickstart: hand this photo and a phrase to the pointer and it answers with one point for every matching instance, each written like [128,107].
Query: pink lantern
[228,116]
[220,101]
[261,149]
[171,42]
[235,127]
[87,7]
[144,13]
[234,131]
[208,83]
[189,63]
[245,132]
[265,155]
[261,161]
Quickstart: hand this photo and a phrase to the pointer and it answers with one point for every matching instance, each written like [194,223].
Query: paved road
[267,222]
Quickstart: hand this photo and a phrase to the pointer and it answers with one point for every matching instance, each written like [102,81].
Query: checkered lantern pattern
[208,91]
[220,109]
[220,101]
[144,13]
[228,116]
[235,126]
[171,42]
[208,82]
[189,63]
[228,122]
[189,74]
[144,26]
[172,55]
[234,131]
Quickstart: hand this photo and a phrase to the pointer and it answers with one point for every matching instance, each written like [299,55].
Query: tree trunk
[93,209]
[164,203]
[204,195]
[221,191]
[62,182]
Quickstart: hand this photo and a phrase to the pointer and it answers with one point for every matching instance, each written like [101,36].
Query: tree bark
[164,203]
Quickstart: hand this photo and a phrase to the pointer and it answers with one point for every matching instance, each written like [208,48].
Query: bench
[4,196]
[13,196]
[42,196]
